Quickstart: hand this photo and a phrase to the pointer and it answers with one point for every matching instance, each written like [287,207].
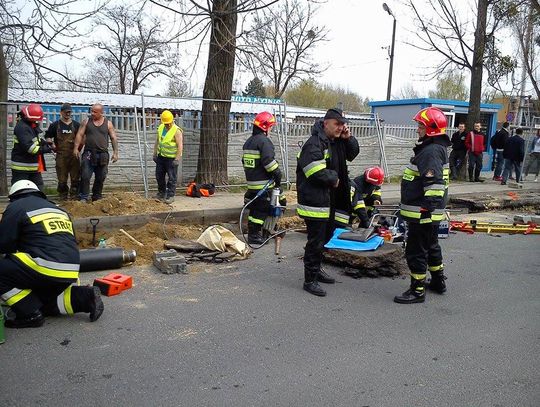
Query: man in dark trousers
[458,153]
[61,134]
[497,143]
[323,190]
[42,261]
[424,194]
[94,135]
[475,142]
[514,153]
[262,170]
[27,161]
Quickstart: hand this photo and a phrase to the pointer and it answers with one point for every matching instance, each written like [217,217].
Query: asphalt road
[245,334]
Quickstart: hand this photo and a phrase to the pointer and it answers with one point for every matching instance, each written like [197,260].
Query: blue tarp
[371,244]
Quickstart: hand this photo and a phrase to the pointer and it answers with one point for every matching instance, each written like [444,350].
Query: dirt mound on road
[122,203]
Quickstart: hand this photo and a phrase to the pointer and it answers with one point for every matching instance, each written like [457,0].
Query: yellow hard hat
[167,117]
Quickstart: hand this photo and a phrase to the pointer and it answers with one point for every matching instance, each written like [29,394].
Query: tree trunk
[475,94]
[212,163]
[3,121]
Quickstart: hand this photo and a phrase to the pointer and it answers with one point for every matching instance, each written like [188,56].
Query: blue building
[402,112]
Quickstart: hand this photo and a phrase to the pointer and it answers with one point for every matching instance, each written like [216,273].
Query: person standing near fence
[534,157]
[458,153]
[497,143]
[94,135]
[167,153]
[320,171]
[475,142]
[27,161]
[61,134]
[514,153]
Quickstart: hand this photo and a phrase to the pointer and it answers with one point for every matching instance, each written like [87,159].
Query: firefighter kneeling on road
[41,262]
[366,193]
[260,167]
[424,195]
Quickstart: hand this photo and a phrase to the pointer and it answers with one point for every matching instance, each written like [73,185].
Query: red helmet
[33,112]
[374,175]
[434,120]
[264,121]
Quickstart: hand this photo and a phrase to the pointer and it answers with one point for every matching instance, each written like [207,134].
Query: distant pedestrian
[497,143]
[320,173]
[27,161]
[61,134]
[514,153]
[167,153]
[534,157]
[458,153]
[475,142]
[94,135]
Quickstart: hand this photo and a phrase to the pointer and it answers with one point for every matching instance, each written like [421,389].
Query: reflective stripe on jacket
[26,148]
[259,162]
[167,146]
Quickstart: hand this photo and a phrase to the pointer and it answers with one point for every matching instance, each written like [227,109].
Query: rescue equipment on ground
[494,227]
[105,259]
[195,190]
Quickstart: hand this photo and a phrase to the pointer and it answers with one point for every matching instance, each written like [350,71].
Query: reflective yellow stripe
[255,220]
[313,212]
[326,154]
[360,204]
[271,166]
[410,214]
[418,276]
[434,192]
[341,217]
[67,301]
[437,217]
[425,220]
[254,156]
[314,167]
[27,167]
[14,296]
[259,184]
[28,261]
[377,193]
[46,216]
[435,268]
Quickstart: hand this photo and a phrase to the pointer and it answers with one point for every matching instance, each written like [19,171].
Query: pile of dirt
[291,222]
[121,203]
[152,235]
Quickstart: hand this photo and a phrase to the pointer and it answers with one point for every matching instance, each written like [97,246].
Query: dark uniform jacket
[363,196]
[39,236]
[319,164]
[425,182]
[499,139]
[514,149]
[458,141]
[258,160]
[27,147]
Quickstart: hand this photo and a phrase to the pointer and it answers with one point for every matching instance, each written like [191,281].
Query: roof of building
[431,102]
[112,100]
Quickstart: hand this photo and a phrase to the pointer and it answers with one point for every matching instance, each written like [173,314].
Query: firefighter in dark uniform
[366,193]
[424,194]
[41,262]
[323,190]
[261,168]
[27,160]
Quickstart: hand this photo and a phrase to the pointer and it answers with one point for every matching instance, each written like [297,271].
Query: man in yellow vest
[167,153]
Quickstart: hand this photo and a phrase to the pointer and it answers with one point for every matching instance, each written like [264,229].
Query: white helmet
[23,186]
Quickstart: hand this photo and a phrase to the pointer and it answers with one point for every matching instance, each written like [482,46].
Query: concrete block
[524,219]
[170,262]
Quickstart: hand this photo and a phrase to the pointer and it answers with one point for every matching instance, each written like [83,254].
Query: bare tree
[136,47]
[451,85]
[451,35]
[34,32]
[278,47]
[220,19]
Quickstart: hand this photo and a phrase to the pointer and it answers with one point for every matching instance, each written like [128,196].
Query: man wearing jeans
[94,135]
[167,153]
[475,148]
[497,143]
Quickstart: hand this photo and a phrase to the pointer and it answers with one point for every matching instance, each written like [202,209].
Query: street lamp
[389,90]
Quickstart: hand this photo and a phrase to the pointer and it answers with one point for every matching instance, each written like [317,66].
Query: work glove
[44,146]
[176,163]
[154,158]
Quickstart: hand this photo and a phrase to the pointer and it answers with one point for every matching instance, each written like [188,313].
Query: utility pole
[389,89]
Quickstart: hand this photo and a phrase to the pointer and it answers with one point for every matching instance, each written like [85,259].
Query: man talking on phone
[323,190]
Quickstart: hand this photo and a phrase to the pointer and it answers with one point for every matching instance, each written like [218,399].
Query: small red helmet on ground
[374,175]
[433,119]
[264,121]
[33,112]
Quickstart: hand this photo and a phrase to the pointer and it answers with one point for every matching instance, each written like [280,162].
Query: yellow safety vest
[167,145]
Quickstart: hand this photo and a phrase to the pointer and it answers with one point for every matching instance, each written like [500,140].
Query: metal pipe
[105,259]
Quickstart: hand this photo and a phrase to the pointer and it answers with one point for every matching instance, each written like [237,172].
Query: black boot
[33,320]
[96,304]
[437,282]
[416,293]
[322,277]
[254,234]
[311,285]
